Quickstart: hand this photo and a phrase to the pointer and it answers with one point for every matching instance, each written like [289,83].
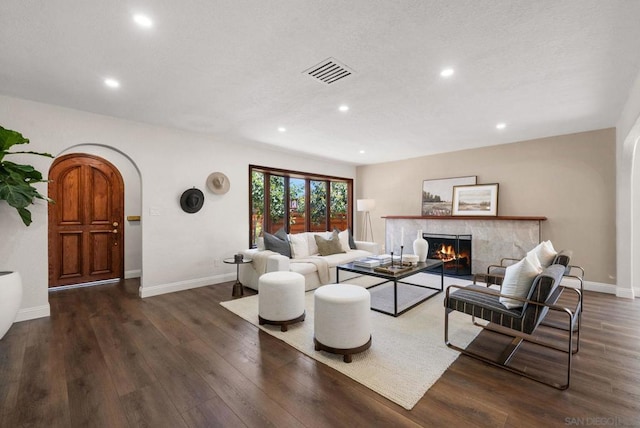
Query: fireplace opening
[453,250]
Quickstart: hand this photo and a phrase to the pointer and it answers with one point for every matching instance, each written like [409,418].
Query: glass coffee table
[393,296]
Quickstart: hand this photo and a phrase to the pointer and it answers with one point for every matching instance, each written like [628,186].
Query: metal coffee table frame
[428,265]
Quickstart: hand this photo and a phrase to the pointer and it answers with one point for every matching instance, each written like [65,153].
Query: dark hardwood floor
[108,358]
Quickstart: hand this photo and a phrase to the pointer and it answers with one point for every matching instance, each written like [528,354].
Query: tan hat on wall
[218,183]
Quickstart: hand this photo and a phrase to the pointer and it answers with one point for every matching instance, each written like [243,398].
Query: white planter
[10,299]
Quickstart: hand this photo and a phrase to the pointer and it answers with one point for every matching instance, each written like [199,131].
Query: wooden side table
[237,287]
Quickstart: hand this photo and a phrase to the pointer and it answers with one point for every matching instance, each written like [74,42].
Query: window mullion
[287,204]
[328,219]
[307,204]
[267,202]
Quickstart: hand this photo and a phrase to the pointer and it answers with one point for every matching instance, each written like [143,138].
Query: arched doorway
[86,222]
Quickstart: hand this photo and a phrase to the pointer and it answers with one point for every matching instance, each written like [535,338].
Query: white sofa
[316,269]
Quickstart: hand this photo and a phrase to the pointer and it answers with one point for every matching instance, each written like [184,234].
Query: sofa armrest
[248,254]
[372,247]
[266,261]
[277,263]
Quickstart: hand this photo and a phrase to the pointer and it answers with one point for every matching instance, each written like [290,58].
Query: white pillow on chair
[517,282]
[533,259]
[545,253]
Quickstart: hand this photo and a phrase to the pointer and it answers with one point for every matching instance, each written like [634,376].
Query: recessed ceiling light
[501,125]
[343,108]
[143,20]
[447,72]
[112,83]
[361,152]
[282,129]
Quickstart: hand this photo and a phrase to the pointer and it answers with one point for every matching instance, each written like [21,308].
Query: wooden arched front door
[86,241]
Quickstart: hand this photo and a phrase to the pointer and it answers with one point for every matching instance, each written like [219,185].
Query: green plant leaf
[23,172]
[25,215]
[16,180]
[10,138]
[49,155]
[18,195]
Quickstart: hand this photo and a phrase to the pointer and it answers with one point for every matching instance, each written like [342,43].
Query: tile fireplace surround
[493,237]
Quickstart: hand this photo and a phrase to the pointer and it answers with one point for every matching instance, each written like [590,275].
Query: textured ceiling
[235,69]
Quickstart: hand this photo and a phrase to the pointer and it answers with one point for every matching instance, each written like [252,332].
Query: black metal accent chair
[520,323]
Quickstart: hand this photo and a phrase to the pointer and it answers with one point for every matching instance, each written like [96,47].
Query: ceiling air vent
[329,71]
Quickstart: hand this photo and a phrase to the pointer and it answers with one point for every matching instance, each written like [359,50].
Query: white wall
[179,250]
[628,195]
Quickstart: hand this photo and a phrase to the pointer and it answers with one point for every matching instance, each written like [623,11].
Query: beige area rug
[407,354]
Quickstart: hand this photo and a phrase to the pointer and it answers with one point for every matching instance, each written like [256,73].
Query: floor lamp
[366,205]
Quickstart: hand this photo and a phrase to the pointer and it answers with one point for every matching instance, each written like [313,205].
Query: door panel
[69,199]
[85,233]
[71,250]
[100,203]
[101,254]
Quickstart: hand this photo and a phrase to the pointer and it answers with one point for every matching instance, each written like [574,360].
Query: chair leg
[510,350]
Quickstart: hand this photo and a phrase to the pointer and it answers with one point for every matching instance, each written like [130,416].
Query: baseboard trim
[172,287]
[600,287]
[33,313]
[135,273]
[627,293]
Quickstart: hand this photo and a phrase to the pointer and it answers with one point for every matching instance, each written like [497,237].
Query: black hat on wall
[192,200]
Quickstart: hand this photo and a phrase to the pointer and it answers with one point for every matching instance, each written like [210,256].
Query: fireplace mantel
[468,217]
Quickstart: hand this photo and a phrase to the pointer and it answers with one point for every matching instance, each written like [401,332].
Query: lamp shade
[365,204]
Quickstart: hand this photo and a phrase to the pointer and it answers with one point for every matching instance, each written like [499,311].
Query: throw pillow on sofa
[326,247]
[313,247]
[278,242]
[299,245]
[347,239]
[352,242]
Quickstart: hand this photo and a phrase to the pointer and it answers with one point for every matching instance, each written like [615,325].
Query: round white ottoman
[342,320]
[281,298]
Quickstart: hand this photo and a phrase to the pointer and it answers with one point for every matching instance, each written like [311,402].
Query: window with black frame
[297,201]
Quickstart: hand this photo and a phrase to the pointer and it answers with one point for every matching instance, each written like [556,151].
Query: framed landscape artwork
[437,195]
[480,200]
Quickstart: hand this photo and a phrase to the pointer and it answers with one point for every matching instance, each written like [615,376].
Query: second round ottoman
[281,298]
[342,320]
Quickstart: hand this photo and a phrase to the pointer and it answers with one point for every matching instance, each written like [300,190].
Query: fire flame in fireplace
[446,253]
